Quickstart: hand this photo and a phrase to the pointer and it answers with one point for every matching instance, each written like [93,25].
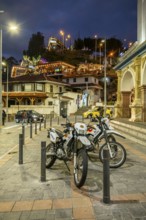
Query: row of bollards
[106,171]
[43,157]
[106,168]
[22,138]
[31,129]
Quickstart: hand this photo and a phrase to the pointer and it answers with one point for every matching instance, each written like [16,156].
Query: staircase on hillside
[135,131]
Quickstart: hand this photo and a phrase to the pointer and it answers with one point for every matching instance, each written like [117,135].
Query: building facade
[131,72]
[56,86]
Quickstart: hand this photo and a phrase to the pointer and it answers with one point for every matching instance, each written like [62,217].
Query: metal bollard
[30,129]
[20,148]
[106,177]
[23,133]
[50,120]
[40,126]
[58,120]
[43,161]
[45,123]
[35,127]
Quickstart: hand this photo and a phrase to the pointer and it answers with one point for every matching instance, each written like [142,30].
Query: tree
[115,45]
[36,46]
[79,44]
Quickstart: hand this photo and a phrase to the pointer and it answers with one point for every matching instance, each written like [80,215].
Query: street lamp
[105,99]
[11,28]
[95,45]
[62,34]
[7,70]
[69,38]
[110,57]
[100,45]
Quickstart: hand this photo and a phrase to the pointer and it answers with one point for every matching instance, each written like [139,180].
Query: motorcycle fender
[115,133]
[84,140]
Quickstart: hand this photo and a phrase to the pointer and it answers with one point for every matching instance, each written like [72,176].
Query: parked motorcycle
[95,132]
[102,131]
[67,145]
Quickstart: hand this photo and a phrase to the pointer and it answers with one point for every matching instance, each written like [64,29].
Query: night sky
[79,18]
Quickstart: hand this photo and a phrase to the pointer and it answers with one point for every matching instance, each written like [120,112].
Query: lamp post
[7,92]
[7,89]
[63,39]
[105,99]
[110,57]
[95,45]
[69,38]
[100,45]
[12,28]
[1,74]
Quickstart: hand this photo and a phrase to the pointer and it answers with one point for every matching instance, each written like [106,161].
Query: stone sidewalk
[23,195]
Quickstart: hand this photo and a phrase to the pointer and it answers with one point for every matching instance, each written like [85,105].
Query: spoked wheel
[110,138]
[50,157]
[117,156]
[81,168]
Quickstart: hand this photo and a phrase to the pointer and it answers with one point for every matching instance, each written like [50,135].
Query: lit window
[39,87]
[27,87]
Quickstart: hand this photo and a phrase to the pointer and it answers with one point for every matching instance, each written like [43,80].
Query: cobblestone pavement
[23,195]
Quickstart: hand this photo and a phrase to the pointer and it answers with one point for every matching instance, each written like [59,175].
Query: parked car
[32,116]
[97,111]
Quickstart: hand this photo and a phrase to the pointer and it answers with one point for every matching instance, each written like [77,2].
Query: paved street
[24,196]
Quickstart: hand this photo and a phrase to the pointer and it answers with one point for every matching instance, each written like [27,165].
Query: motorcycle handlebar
[67,125]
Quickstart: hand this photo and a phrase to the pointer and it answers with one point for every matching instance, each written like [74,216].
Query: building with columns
[131,72]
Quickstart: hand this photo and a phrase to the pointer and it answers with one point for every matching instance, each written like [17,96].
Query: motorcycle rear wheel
[118,154]
[50,158]
[81,168]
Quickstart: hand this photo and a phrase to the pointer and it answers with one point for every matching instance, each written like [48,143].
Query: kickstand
[67,165]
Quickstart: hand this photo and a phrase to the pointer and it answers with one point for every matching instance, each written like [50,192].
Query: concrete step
[133,131]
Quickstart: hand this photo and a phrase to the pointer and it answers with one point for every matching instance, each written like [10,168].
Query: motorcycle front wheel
[118,154]
[50,157]
[110,138]
[81,168]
